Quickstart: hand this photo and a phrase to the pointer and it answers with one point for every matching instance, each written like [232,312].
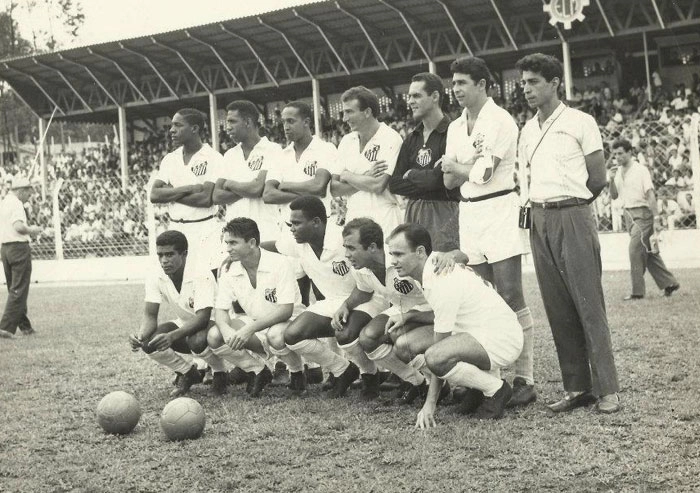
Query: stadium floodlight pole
[431,63]
[63,77]
[646,65]
[252,50]
[91,74]
[456,27]
[566,59]
[316,94]
[289,43]
[605,19]
[39,156]
[218,57]
[503,23]
[121,71]
[153,67]
[123,154]
[369,39]
[658,14]
[323,35]
[36,83]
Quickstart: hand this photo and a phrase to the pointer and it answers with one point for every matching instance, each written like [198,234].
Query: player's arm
[415,316]
[162,193]
[315,186]
[614,193]
[202,198]
[200,321]
[250,189]
[270,246]
[597,179]
[365,183]
[22,228]
[425,180]
[340,188]
[454,172]
[426,416]
[272,194]
[356,298]
[222,195]
[149,324]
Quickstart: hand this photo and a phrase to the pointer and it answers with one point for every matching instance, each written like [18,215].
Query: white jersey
[275,285]
[205,165]
[331,272]
[265,156]
[197,292]
[384,145]
[319,154]
[401,292]
[496,134]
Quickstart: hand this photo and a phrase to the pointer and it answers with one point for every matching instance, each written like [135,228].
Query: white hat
[20,182]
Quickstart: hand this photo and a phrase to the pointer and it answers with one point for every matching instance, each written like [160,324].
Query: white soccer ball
[182,419]
[118,412]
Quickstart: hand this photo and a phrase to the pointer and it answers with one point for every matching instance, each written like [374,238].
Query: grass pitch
[51,383]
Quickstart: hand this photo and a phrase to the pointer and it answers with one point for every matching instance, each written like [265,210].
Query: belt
[188,221]
[487,196]
[560,204]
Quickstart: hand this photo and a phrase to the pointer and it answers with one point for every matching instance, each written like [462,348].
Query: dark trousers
[440,218]
[641,227]
[566,253]
[17,263]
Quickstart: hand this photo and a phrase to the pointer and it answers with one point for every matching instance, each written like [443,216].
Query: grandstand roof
[273,56]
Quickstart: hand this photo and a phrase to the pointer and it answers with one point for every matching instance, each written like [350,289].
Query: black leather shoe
[370,386]
[569,403]
[444,393]
[668,291]
[412,392]
[30,330]
[314,375]
[260,382]
[634,297]
[185,381]
[219,382]
[523,394]
[329,384]
[494,407]
[236,376]
[470,401]
[342,382]
[297,382]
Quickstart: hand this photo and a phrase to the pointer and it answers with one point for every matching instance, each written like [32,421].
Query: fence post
[695,164]
[58,240]
[151,218]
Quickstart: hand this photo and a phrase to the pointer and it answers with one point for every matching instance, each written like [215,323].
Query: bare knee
[214,337]
[198,342]
[275,337]
[512,294]
[437,363]
[294,333]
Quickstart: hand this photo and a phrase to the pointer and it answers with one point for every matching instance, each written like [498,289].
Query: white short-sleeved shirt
[384,145]
[632,185]
[275,285]
[463,302]
[496,133]
[11,211]
[401,292]
[558,166]
[197,292]
[205,165]
[331,271]
[319,154]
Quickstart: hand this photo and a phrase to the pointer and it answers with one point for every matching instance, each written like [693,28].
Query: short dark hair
[304,110]
[311,206]
[193,117]
[365,98]
[624,143]
[474,67]
[416,235]
[547,66]
[431,82]
[246,109]
[370,232]
[243,227]
[172,238]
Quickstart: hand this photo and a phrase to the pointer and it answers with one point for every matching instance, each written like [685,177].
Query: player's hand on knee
[239,339]
[426,417]
[135,342]
[340,317]
[161,342]
[394,322]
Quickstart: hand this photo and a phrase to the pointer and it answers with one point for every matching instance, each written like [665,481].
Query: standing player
[321,257]
[185,180]
[476,332]
[480,160]
[565,151]
[418,174]
[368,155]
[263,284]
[189,289]
[632,183]
[246,167]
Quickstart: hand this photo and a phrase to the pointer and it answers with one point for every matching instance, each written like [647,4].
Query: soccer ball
[118,412]
[182,419]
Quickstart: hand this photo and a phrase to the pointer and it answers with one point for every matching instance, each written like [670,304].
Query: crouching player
[190,292]
[476,332]
[264,286]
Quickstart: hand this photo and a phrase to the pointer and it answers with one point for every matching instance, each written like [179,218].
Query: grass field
[51,384]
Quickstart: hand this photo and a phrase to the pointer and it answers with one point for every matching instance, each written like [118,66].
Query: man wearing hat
[16,257]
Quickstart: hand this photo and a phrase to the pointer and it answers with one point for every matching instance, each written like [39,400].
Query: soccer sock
[243,359]
[418,363]
[524,364]
[319,352]
[215,362]
[310,364]
[386,357]
[290,358]
[199,362]
[467,375]
[357,355]
[170,359]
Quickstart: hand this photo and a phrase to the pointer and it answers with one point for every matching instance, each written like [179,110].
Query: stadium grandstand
[633,64]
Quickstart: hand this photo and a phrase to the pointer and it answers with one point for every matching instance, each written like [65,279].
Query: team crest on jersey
[340,268]
[402,285]
[256,163]
[200,169]
[372,152]
[190,302]
[310,168]
[424,157]
[271,295]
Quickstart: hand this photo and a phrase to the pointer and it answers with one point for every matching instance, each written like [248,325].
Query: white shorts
[262,334]
[326,308]
[502,341]
[489,232]
[396,309]
[203,240]
[373,307]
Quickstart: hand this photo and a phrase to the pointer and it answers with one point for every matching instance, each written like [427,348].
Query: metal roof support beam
[189,67]
[217,55]
[325,38]
[63,77]
[658,14]
[25,102]
[503,23]
[455,26]
[121,71]
[252,50]
[605,18]
[362,26]
[36,83]
[410,30]
[97,81]
[291,47]
[153,67]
